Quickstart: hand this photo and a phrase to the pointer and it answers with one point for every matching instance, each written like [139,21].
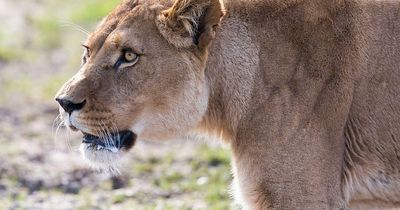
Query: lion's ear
[190,22]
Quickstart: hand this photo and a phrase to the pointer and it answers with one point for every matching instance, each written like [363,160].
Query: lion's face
[133,83]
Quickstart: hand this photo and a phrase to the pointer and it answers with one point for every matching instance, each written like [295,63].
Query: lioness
[305,92]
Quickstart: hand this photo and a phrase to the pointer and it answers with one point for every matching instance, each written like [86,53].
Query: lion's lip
[120,140]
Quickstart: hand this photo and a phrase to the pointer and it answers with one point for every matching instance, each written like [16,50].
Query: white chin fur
[102,160]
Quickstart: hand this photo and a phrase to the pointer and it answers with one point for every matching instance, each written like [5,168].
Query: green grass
[92,11]
[12,48]
[86,198]
[52,84]
[48,34]
[9,53]
[181,185]
[209,176]
[23,85]
[32,88]
[119,198]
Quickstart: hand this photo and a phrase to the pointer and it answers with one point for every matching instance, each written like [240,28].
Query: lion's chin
[104,154]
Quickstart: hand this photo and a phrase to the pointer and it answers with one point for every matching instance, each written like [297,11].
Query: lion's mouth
[112,142]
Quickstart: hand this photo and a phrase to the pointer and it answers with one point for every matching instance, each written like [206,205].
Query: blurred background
[40,165]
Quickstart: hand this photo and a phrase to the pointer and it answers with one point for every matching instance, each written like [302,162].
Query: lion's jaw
[161,95]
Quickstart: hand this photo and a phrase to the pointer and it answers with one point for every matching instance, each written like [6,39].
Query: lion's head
[142,75]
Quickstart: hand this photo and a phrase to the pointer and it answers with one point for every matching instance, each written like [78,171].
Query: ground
[40,165]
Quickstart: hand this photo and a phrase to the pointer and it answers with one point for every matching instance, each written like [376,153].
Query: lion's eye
[129,56]
[86,55]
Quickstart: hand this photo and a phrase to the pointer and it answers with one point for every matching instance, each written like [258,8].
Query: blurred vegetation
[87,14]
[197,182]
[52,33]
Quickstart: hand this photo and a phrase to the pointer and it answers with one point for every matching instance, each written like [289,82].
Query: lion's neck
[232,72]
[255,54]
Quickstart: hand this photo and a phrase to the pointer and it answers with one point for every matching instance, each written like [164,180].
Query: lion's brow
[116,40]
[86,47]
[88,51]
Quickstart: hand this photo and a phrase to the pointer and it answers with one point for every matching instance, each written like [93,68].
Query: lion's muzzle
[112,142]
[70,106]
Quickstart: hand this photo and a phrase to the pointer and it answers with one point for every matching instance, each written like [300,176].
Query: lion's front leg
[299,173]
[255,190]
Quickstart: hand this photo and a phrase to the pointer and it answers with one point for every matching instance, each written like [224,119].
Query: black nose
[70,106]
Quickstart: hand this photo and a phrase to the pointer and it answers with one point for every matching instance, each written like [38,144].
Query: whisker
[60,125]
[105,135]
[54,132]
[55,121]
[115,130]
[109,135]
[114,170]
[100,132]
[65,23]
[112,133]
[68,141]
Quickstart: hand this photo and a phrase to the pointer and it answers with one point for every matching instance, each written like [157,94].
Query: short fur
[306,92]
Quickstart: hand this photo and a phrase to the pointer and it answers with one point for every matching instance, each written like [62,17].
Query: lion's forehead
[122,17]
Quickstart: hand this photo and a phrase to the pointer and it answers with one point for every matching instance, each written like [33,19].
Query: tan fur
[305,92]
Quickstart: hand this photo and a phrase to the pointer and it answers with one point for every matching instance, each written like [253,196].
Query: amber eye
[129,56]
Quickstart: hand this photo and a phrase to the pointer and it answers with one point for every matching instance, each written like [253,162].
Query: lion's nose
[70,106]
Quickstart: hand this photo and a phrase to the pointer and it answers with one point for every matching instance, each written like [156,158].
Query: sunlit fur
[157,99]
[102,160]
[305,92]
